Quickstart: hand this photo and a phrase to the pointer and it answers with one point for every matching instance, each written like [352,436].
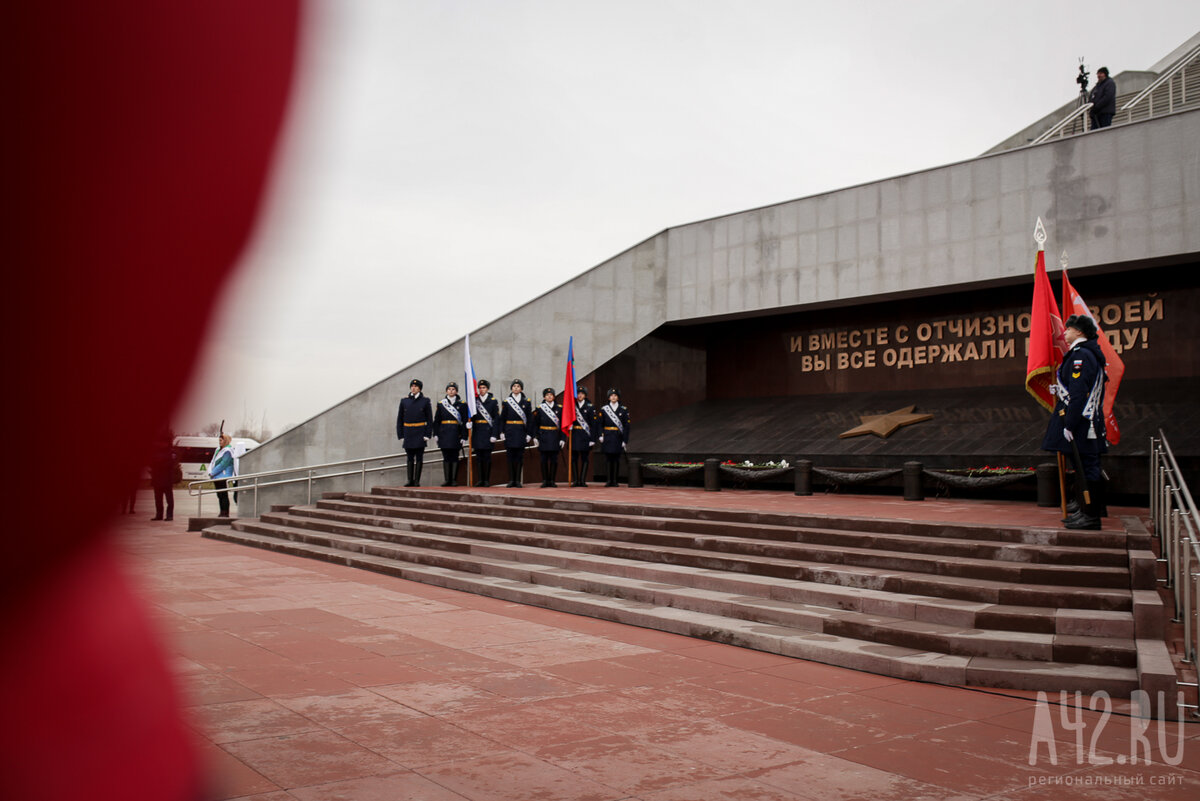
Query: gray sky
[447,161]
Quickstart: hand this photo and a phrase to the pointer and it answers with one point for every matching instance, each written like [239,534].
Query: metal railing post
[364,477]
[310,472]
[256,496]
[1153,486]
[1187,603]
[1173,560]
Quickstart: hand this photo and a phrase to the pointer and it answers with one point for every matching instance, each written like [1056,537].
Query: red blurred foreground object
[137,144]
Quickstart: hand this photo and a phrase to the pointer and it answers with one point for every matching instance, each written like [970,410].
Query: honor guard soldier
[414,425]
[485,430]
[516,418]
[1077,424]
[613,420]
[547,425]
[450,425]
[583,437]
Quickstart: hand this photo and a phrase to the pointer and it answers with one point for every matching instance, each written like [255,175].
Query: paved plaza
[313,681]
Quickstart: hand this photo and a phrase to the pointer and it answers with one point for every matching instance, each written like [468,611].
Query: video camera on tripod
[1082,78]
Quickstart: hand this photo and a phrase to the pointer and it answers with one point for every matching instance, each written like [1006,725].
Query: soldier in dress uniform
[547,425]
[485,430]
[516,419]
[1078,419]
[613,420]
[414,425]
[450,424]
[583,437]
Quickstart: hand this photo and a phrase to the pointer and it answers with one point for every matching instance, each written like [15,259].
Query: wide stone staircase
[989,605]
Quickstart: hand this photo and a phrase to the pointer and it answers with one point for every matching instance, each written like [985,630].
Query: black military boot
[1088,516]
[417,472]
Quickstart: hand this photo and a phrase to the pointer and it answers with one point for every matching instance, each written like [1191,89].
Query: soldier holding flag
[1077,423]
[583,437]
[485,430]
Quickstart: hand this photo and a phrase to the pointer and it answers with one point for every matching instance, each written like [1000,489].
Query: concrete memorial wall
[1125,198]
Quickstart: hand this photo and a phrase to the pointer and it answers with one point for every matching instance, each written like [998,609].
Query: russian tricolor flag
[568,417]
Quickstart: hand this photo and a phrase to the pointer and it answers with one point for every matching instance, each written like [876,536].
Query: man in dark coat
[1077,422]
[1103,99]
[547,426]
[163,468]
[450,425]
[583,437]
[414,425]
[613,421]
[485,430]
[516,419]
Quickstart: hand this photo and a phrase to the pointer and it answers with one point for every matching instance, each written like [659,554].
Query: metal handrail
[1061,124]
[1183,63]
[1177,524]
[250,482]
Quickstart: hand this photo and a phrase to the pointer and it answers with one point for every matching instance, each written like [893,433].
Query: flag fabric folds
[568,415]
[1114,367]
[470,385]
[1046,343]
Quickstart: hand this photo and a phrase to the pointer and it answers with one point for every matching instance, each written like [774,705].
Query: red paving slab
[316,682]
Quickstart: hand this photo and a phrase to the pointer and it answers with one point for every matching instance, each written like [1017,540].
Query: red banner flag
[568,417]
[1046,343]
[1114,367]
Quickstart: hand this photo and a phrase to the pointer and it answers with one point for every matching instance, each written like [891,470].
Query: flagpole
[1039,236]
[570,453]
[470,483]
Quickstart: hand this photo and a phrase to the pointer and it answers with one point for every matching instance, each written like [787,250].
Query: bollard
[635,472]
[1047,484]
[803,477]
[913,491]
[712,475]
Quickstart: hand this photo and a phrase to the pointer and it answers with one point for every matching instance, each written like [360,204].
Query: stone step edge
[710,514]
[950,591]
[1067,620]
[880,542]
[1008,535]
[804,616]
[1085,578]
[895,661]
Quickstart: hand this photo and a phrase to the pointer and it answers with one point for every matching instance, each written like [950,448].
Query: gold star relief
[883,425]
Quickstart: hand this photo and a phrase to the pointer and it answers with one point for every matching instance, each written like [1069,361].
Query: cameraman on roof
[1103,99]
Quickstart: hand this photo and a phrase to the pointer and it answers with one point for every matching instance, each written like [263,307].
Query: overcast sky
[446,161]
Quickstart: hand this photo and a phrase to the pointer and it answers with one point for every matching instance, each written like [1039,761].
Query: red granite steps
[1043,610]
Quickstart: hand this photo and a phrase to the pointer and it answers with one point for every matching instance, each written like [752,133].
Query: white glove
[528,439]
[468,425]
[463,443]
[592,444]
[496,439]
[624,445]
[1067,435]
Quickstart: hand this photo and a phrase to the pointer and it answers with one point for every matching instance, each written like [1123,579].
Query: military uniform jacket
[580,439]
[548,431]
[1082,410]
[414,422]
[481,432]
[450,432]
[614,437]
[515,429]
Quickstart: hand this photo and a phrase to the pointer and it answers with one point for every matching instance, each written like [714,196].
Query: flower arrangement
[989,470]
[749,465]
